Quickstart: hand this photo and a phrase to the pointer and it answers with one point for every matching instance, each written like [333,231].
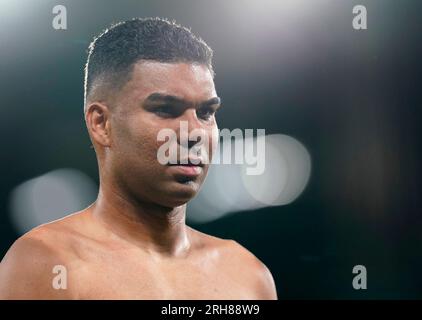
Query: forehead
[192,82]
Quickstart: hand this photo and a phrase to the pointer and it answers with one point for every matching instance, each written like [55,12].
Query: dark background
[291,67]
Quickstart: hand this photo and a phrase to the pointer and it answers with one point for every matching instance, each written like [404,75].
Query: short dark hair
[113,52]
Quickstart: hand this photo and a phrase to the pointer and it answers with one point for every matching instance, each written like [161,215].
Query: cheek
[136,140]
[213,141]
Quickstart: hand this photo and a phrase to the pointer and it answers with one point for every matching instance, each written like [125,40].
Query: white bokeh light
[228,188]
[287,171]
[50,197]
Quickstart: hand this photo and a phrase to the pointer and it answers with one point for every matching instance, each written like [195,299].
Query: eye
[206,113]
[164,111]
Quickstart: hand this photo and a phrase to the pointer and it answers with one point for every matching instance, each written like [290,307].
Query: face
[161,96]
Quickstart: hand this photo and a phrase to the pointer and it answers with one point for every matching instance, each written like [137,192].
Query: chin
[179,194]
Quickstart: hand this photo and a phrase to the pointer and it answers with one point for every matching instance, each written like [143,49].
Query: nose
[189,122]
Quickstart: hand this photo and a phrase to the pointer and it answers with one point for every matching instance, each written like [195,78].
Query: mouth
[186,171]
[191,162]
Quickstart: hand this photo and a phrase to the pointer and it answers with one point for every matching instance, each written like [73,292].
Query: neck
[156,229]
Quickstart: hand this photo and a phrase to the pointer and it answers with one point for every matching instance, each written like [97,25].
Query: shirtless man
[141,76]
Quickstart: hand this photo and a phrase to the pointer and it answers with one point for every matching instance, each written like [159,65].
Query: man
[142,76]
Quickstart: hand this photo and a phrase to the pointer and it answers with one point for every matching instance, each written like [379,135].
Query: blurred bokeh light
[229,188]
[49,197]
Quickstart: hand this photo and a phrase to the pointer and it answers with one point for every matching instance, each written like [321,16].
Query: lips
[189,162]
[190,168]
[187,170]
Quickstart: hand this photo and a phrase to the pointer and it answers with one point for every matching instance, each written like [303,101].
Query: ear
[97,118]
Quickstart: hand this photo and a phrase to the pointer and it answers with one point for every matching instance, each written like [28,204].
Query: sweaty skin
[132,242]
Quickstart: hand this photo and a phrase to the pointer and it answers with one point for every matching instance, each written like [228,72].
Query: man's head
[142,76]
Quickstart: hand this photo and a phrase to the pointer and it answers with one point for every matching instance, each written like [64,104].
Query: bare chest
[191,279]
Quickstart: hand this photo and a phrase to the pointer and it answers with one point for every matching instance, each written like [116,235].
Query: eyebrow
[170,99]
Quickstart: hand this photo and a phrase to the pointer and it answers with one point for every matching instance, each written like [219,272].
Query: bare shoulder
[257,273]
[241,262]
[33,262]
